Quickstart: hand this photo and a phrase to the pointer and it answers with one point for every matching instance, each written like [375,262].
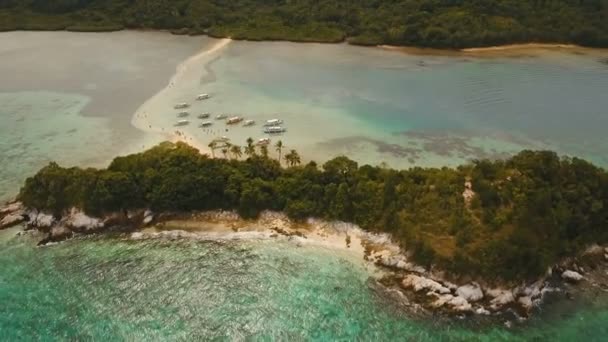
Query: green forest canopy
[529,211]
[432,23]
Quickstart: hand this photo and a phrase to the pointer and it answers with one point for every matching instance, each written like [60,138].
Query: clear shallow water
[70,97]
[376,105]
[108,288]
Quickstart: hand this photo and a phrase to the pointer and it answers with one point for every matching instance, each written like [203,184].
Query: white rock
[572,276]
[11,208]
[471,292]
[42,220]
[441,300]
[60,233]
[80,220]
[137,235]
[606,250]
[421,283]
[11,220]
[500,297]
[533,290]
[525,302]
[606,256]
[482,311]
[459,304]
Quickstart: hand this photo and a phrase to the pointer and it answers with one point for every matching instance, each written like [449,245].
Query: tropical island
[427,23]
[504,220]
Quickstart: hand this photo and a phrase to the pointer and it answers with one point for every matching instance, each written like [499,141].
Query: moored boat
[264,141]
[273,122]
[274,130]
[181,105]
[221,116]
[203,97]
[249,123]
[182,123]
[206,124]
[182,114]
[234,120]
[204,115]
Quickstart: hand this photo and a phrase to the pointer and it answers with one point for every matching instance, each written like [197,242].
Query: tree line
[431,23]
[528,211]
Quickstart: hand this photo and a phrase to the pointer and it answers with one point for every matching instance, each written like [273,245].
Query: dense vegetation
[434,23]
[528,211]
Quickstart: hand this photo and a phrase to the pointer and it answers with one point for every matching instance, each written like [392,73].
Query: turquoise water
[115,289]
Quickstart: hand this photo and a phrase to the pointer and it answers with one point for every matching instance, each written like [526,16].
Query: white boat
[182,114]
[181,105]
[273,122]
[249,123]
[203,97]
[234,120]
[264,141]
[274,130]
[221,116]
[182,123]
[204,115]
[206,124]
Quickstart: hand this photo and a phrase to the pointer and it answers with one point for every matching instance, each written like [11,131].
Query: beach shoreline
[140,118]
[507,50]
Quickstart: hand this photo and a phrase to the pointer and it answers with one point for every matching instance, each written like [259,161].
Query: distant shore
[508,50]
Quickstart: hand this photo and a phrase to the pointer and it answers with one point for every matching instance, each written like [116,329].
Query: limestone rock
[482,311]
[11,220]
[421,283]
[80,221]
[60,233]
[40,219]
[471,292]
[459,304]
[441,300]
[11,208]
[148,217]
[137,236]
[500,297]
[572,276]
[525,302]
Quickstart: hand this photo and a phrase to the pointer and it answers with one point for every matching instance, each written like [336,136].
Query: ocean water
[118,289]
[81,99]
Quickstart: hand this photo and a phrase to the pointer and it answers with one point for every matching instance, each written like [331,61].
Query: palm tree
[264,151]
[212,145]
[292,158]
[236,151]
[250,149]
[279,148]
[225,152]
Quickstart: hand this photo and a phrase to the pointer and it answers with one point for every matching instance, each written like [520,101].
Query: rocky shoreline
[431,290]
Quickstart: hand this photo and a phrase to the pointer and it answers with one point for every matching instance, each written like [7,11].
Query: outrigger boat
[182,123]
[249,123]
[204,116]
[181,105]
[273,122]
[203,97]
[182,114]
[274,130]
[264,141]
[206,124]
[234,120]
[221,116]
